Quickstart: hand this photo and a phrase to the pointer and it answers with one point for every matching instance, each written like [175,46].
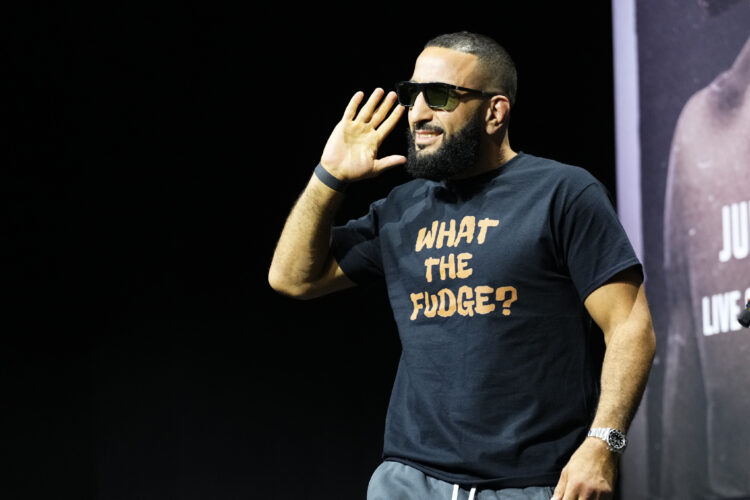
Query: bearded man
[525,332]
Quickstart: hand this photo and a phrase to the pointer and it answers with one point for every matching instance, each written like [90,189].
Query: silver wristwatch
[615,439]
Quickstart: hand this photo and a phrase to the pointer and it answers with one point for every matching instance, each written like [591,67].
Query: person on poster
[507,275]
[706,394]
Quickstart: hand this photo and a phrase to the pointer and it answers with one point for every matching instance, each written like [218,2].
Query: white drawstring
[455,493]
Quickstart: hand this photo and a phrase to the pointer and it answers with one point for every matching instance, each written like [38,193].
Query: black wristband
[329,180]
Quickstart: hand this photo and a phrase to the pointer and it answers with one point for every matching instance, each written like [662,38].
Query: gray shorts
[396,481]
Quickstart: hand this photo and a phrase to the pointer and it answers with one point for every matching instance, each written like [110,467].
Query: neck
[492,156]
[505,153]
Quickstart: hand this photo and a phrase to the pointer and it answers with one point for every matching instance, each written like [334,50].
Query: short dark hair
[494,60]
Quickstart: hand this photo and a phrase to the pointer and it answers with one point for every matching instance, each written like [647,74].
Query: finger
[559,491]
[389,162]
[388,125]
[383,109]
[351,108]
[365,114]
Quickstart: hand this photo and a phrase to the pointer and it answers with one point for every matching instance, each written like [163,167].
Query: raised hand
[352,149]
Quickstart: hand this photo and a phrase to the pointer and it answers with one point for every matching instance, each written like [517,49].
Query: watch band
[615,439]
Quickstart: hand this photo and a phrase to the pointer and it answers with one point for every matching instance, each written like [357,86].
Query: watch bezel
[616,440]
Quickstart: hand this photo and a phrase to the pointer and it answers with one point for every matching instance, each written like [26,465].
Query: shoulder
[546,175]
[563,172]
[711,127]
[538,166]
[718,105]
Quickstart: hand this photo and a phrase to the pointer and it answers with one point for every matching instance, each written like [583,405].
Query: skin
[437,64]
[620,309]
[303,267]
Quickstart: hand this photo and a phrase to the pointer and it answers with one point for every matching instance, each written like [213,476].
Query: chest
[495,239]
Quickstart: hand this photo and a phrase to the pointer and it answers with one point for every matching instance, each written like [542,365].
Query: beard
[457,154]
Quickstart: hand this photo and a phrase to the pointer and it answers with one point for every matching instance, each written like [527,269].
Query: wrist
[614,438]
[329,179]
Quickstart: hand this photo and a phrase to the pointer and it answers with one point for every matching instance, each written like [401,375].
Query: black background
[153,155]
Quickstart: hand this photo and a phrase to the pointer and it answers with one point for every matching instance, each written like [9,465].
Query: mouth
[425,136]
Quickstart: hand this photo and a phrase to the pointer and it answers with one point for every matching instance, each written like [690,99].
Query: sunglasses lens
[407,93]
[436,95]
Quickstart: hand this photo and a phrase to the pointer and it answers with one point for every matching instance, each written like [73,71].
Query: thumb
[388,162]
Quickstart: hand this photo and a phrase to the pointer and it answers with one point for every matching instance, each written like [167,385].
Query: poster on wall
[683,100]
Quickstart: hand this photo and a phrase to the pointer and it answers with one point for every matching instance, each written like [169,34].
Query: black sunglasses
[437,95]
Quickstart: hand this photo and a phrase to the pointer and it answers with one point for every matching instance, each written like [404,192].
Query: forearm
[622,312]
[627,362]
[302,264]
[302,257]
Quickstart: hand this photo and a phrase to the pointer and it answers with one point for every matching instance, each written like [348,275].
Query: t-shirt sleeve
[594,243]
[356,247]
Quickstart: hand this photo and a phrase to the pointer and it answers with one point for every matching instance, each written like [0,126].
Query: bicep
[621,299]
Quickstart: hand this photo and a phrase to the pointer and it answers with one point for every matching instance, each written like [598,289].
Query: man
[495,262]
[706,250]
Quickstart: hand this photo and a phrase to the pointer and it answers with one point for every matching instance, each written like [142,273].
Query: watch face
[616,440]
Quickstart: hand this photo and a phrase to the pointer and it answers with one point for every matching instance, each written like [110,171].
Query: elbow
[284,286]
[646,341]
[638,337]
[281,284]
[650,340]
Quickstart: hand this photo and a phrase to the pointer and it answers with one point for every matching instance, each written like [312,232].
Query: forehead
[438,64]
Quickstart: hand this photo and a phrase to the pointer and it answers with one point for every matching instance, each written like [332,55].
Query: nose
[420,111]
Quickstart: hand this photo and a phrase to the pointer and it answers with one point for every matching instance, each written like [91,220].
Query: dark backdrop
[153,155]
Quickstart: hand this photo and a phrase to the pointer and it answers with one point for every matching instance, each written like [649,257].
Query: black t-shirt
[498,378]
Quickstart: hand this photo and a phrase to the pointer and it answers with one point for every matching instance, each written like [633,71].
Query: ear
[498,113]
